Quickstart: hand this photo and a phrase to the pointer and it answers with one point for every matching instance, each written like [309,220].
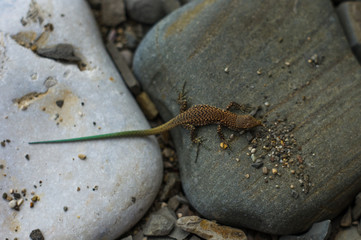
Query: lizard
[196,116]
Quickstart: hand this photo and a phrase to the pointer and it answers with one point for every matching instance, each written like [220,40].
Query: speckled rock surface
[101,196]
[292,59]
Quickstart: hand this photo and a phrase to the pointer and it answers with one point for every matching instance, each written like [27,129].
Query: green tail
[133,133]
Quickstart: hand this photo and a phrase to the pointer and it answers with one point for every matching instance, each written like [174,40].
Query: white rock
[110,191]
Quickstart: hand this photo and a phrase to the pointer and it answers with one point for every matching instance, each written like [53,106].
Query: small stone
[223,145]
[173,203]
[127,56]
[147,105]
[359,227]
[178,233]
[160,223]
[346,219]
[294,194]
[257,164]
[356,210]
[36,235]
[170,5]
[274,171]
[112,12]
[350,233]
[17,195]
[253,150]
[247,176]
[172,184]
[265,170]
[12,204]
[320,230]
[65,208]
[19,202]
[62,52]
[82,156]
[35,198]
[209,229]
[59,103]
[145,11]
[168,152]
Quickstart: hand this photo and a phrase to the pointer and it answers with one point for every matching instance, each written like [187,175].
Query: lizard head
[247,122]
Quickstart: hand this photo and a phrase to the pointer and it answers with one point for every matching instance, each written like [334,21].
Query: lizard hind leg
[193,134]
[244,108]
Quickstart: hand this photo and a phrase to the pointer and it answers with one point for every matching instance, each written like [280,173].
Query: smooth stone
[348,234]
[100,197]
[292,56]
[178,233]
[346,219]
[209,229]
[320,231]
[145,11]
[160,223]
[170,5]
[356,209]
[113,12]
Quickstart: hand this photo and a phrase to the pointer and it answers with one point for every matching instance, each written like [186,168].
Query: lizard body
[196,116]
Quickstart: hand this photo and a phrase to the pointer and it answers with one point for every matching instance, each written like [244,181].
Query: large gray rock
[290,56]
[101,196]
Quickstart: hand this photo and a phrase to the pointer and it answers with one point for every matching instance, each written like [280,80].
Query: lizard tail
[133,133]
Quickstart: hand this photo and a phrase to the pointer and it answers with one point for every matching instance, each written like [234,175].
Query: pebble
[82,156]
[12,204]
[348,234]
[356,210]
[258,164]
[173,203]
[209,229]
[145,11]
[127,56]
[178,233]
[346,219]
[112,12]
[160,223]
[319,231]
[172,183]
[36,235]
[170,5]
